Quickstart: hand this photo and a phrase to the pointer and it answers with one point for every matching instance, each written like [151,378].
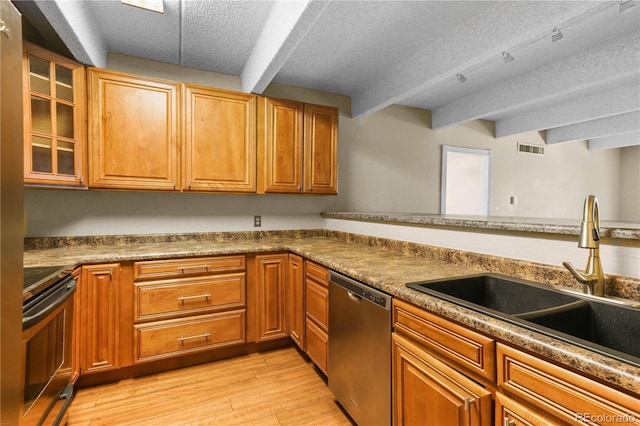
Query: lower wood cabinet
[428,392]
[99,316]
[445,373]
[183,306]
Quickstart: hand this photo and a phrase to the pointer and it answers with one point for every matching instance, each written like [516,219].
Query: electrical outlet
[257,221]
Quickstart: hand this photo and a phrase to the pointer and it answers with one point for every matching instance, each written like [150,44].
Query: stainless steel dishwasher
[360,350]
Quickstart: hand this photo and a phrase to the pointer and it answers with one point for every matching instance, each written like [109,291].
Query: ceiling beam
[76,27]
[285,28]
[608,126]
[485,37]
[608,102]
[598,67]
[617,141]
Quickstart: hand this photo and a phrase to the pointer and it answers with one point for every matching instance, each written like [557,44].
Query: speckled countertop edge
[614,230]
[375,263]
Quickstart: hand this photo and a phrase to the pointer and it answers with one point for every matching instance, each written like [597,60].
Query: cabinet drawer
[183,267]
[156,299]
[466,348]
[562,393]
[317,272]
[317,301]
[175,337]
[317,345]
[512,413]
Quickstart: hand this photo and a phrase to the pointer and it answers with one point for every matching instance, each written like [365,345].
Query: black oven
[47,320]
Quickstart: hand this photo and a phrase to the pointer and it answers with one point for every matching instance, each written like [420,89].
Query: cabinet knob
[4,29]
[467,403]
[508,422]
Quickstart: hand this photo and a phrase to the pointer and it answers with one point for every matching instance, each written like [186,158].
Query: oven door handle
[67,395]
[69,289]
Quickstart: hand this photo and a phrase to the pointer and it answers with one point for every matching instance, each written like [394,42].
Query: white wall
[630,184]
[400,171]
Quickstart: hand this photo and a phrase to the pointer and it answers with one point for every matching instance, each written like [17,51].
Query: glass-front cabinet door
[55,128]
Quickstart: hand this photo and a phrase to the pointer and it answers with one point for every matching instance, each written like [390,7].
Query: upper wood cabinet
[220,140]
[133,131]
[54,119]
[298,147]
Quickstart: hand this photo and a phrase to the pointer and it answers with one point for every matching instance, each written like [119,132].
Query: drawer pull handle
[508,422]
[197,296]
[468,402]
[181,339]
[194,269]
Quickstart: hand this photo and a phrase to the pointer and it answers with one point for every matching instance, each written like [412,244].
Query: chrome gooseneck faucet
[593,276]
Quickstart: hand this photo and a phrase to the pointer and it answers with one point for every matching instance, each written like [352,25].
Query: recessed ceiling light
[153,5]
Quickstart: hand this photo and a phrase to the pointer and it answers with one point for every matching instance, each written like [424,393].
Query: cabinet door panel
[271,296]
[99,317]
[321,149]
[283,145]
[54,112]
[428,392]
[133,132]
[220,140]
[295,300]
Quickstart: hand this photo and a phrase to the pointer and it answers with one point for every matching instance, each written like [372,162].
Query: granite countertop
[387,269]
[608,229]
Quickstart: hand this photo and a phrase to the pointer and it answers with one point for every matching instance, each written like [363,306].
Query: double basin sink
[594,323]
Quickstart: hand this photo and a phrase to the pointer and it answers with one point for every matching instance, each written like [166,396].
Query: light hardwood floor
[278,387]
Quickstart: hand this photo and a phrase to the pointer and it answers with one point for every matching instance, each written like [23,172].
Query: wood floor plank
[279,387]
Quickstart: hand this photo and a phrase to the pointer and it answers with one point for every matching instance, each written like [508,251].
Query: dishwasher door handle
[354,297]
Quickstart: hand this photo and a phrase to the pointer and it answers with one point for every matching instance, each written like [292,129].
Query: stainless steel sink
[593,323]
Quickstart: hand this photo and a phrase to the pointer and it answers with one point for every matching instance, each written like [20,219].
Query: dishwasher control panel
[361,290]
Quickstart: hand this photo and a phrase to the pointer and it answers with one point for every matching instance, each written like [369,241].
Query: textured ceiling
[583,86]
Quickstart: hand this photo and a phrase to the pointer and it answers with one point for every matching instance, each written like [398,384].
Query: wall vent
[530,149]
